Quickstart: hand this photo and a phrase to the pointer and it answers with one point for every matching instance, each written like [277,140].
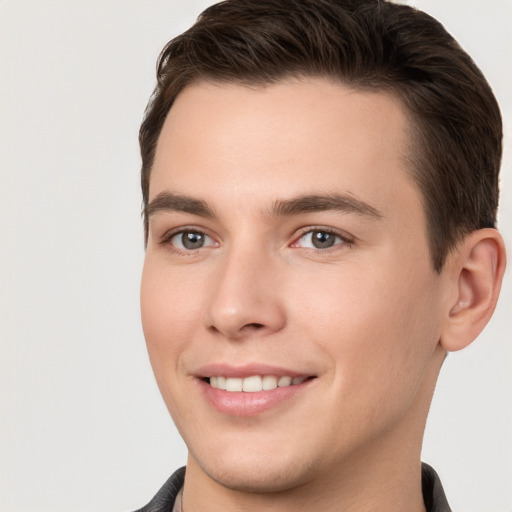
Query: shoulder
[164,499]
[433,492]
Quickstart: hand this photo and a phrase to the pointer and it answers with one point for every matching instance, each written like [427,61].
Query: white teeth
[254,384]
[218,382]
[234,384]
[284,381]
[269,382]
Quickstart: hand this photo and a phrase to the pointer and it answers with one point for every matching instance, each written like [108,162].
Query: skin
[365,317]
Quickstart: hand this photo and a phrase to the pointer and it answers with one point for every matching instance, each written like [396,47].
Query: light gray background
[82,426]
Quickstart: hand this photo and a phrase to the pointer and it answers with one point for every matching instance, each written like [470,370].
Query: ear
[476,266]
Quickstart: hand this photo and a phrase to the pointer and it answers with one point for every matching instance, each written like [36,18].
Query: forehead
[284,139]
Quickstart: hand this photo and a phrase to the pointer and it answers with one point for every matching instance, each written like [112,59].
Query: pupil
[192,240]
[322,240]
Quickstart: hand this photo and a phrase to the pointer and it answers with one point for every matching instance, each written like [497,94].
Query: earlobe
[479,264]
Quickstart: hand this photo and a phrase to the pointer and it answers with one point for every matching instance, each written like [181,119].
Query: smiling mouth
[254,383]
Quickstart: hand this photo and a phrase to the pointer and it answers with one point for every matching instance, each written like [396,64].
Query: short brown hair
[373,45]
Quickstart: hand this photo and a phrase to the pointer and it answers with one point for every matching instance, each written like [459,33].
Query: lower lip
[239,403]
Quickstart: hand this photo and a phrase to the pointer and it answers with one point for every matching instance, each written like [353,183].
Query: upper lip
[225,370]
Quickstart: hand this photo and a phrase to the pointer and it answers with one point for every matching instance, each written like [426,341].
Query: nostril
[247,328]
[253,326]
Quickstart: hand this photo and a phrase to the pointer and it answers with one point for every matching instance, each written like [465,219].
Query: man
[320,190]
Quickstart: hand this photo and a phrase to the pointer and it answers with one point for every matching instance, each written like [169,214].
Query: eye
[319,239]
[190,240]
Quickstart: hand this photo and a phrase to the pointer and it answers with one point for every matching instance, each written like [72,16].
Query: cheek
[167,319]
[168,312]
[379,331]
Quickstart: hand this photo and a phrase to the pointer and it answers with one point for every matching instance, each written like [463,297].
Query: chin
[255,481]
[267,474]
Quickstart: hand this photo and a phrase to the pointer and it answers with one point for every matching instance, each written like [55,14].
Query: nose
[246,299]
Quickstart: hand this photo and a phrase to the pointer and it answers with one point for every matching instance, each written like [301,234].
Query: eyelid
[344,236]
[166,238]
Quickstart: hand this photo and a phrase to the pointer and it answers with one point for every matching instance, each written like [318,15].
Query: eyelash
[345,239]
[166,240]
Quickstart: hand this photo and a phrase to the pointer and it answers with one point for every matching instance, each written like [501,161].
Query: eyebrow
[166,201]
[319,203]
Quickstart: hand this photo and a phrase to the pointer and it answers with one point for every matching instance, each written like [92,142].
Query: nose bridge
[245,297]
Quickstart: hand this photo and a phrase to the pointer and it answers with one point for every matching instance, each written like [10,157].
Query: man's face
[287,239]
